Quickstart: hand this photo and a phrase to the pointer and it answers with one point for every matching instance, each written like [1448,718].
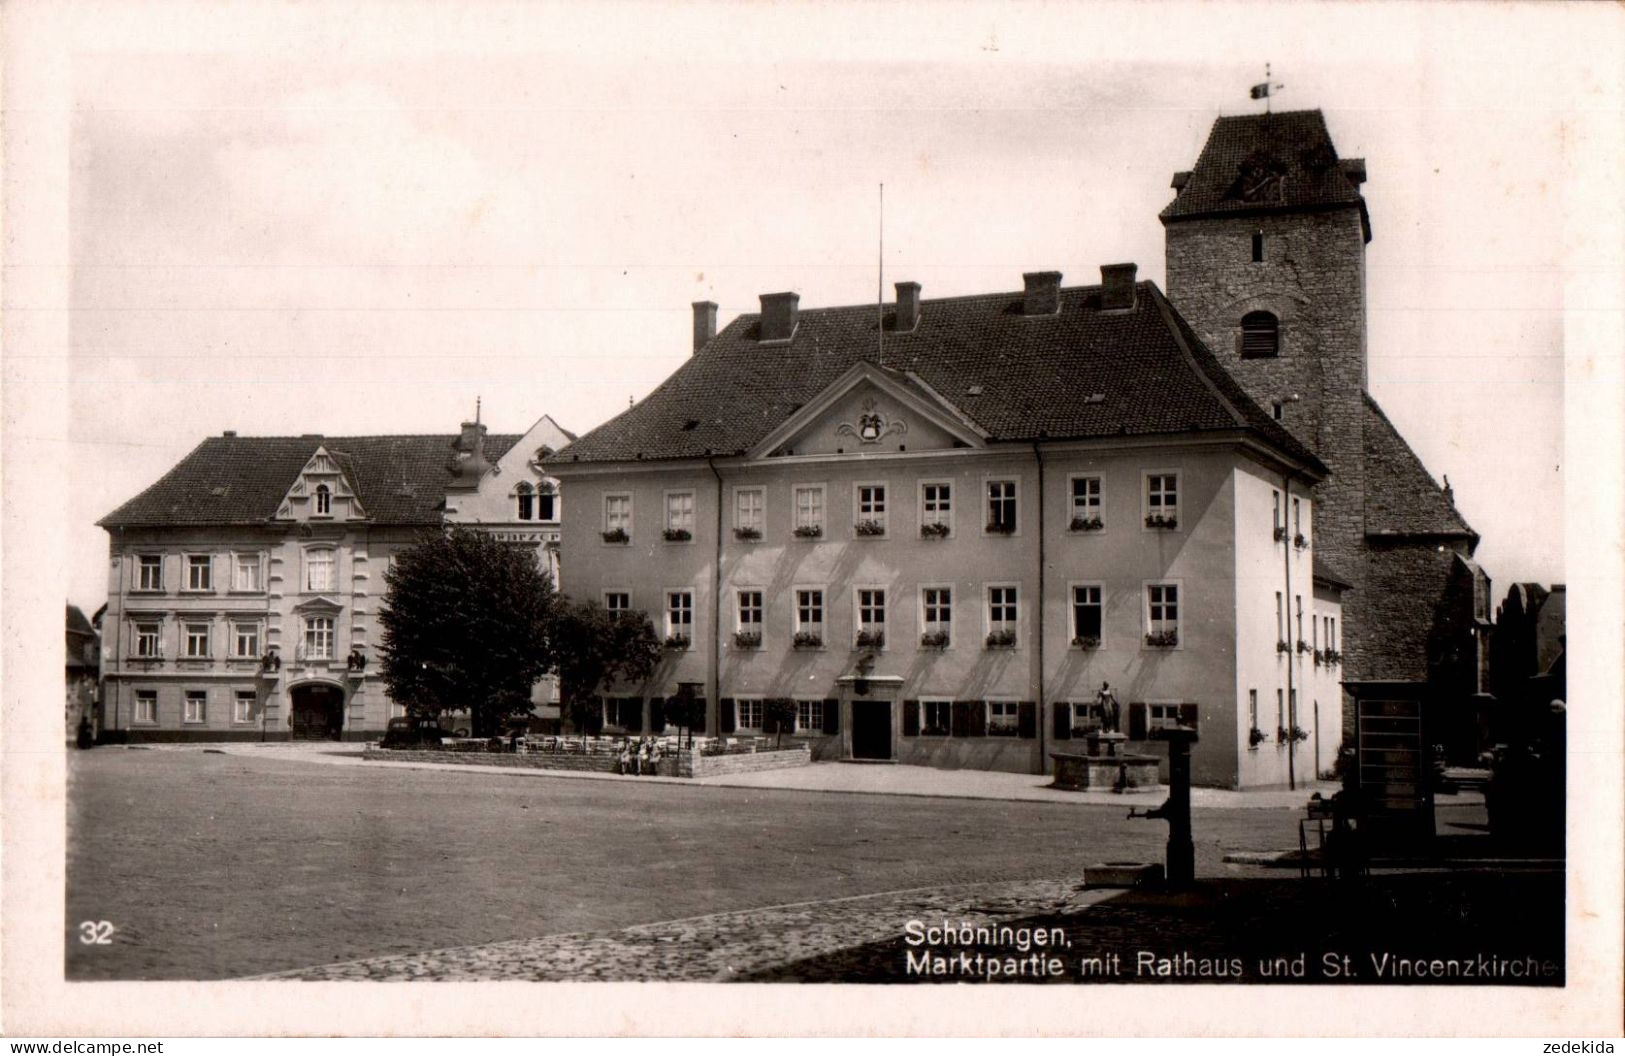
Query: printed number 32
[96,932]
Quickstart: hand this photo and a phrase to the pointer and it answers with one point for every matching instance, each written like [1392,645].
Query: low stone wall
[685,762]
[691,763]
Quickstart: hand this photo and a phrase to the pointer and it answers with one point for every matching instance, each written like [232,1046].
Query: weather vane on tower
[1265,90]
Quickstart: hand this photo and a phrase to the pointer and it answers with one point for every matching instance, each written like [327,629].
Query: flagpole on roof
[880,287]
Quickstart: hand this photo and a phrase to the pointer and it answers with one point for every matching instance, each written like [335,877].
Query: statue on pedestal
[1111,715]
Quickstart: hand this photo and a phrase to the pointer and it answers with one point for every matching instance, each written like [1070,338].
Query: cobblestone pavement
[722,946]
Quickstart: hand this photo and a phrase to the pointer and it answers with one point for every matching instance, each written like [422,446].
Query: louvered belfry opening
[1260,335]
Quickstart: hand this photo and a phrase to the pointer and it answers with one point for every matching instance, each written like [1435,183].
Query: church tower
[1265,242]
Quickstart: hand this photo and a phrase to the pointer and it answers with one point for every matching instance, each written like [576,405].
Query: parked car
[411,732]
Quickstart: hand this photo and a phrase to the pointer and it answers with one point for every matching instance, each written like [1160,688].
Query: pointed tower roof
[1261,163]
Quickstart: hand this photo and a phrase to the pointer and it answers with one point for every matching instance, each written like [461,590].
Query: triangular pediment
[871,410]
[319,606]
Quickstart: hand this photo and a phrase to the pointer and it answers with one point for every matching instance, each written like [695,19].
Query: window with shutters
[1162,715]
[810,716]
[146,706]
[1260,335]
[1087,716]
[748,713]
[1003,718]
[936,718]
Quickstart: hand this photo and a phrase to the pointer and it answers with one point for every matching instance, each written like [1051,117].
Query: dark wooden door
[316,714]
[871,729]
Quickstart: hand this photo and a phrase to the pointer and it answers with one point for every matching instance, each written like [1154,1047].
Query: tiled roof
[1018,377]
[1401,497]
[82,646]
[1257,162]
[1330,571]
[242,479]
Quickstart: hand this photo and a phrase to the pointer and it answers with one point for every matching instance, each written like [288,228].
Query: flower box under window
[1303,646]
[869,527]
[1282,647]
[748,639]
[1086,641]
[1158,520]
[933,531]
[1280,534]
[1001,527]
[1162,639]
[934,640]
[807,640]
[1298,733]
[748,535]
[1001,640]
[677,641]
[617,535]
[677,535]
[1300,541]
[1333,656]
[1087,524]
[870,639]
[1320,657]
[809,531]
[1256,737]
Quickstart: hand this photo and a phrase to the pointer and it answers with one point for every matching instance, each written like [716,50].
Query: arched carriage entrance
[316,712]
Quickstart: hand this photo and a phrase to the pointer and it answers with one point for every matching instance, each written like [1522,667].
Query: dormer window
[324,501]
[1260,335]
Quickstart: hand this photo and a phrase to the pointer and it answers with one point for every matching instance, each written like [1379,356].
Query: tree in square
[467,623]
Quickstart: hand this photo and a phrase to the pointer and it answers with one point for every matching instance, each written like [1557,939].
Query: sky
[325,220]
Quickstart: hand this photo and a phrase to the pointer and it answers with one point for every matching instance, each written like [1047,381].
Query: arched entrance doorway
[316,712]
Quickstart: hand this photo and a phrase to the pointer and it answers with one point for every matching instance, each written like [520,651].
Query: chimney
[705,323]
[1117,286]
[908,306]
[779,312]
[1043,293]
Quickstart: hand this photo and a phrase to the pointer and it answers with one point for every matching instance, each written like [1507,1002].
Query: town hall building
[955,535]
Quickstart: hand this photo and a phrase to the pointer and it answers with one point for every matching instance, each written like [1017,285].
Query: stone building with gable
[244,585]
[1265,242]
